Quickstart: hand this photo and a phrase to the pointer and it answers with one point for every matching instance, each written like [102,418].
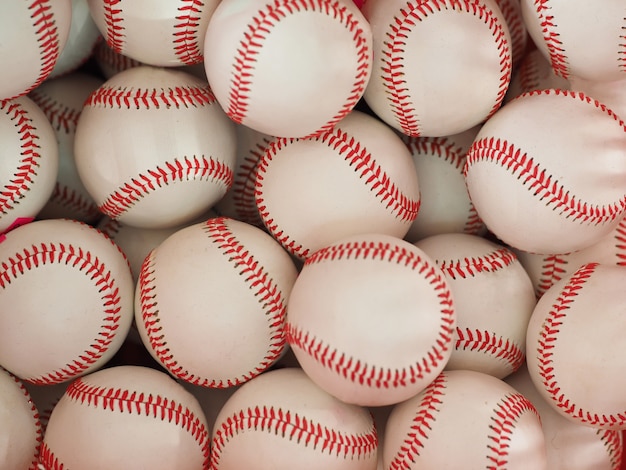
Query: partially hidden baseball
[288,68]
[371,319]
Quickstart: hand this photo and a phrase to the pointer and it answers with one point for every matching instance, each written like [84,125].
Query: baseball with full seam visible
[282,420]
[579,38]
[530,176]
[493,297]
[210,302]
[268,61]
[424,61]
[577,327]
[66,300]
[163,33]
[371,319]
[33,34]
[357,178]
[126,414]
[153,147]
[491,424]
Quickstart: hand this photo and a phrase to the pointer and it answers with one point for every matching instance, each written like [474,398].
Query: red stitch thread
[368,374]
[294,427]
[60,116]
[489,343]
[470,267]
[145,98]
[556,53]
[552,270]
[364,165]
[114,30]
[612,441]
[107,57]
[185,169]
[394,55]
[517,29]
[620,243]
[506,415]
[622,49]
[26,171]
[265,290]
[258,30]
[186,38]
[95,270]
[430,404]
[74,202]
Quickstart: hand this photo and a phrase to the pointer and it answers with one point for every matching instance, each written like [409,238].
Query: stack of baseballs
[304,234]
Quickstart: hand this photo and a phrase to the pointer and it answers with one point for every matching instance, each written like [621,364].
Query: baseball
[534,73]
[371,319]
[282,420]
[268,62]
[512,14]
[32,35]
[420,86]
[493,297]
[83,305]
[210,303]
[126,415]
[528,173]
[173,152]
[577,328]
[490,423]
[357,178]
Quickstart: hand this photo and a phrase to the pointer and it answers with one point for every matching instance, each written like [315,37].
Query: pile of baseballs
[312,234]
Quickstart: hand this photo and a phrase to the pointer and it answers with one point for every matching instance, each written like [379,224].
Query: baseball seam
[368,374]
[360,160]
[26,171]
[556,52]
[180,169]
[620,243]
[186,35]
[252,43]
[267,293]
[489,343]
[552,270]
[491,262]
[113,21]
[528,72]
[394,55]
[117,62]
[74,202]
[512,14]
[150,98]
[416,438]
[61,116]
[612,440]
[504,418]
[90,265]
[621,54]
[294,427]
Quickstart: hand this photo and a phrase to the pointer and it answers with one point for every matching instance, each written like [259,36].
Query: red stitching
[622,49]
[26,171]
[357,157]
[394,55]
[556,52]
[620,243]
[270,298]
[48,459]
[512,14]
[508,412]
[489,343]
[61,117]
[74,202]
[187,168]
[258,30]
[612,440]
[369,374]
[114,29]
[430,404]
[294,427]
[186,37]
[95,270]
[528,72]
[470,267]
[150,98]
[117,62]
[552,271]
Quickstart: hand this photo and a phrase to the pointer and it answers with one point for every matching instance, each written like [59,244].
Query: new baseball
[426,69]
[153,147]
[371,319]
[66,300]
[126,415]
[269,61]
[532,181]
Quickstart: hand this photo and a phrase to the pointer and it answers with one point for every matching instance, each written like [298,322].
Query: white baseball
[493,297]
[532,181]
[156,32]
[486,421]
[210,303]
[534,73]
[20,433]
[282,420]
[611,93]
[30,161]
[357,178]
[61,100]
[427,71]
[577,327]
[32,35]
[579,38]
[288,68]
[126,415]
[371,319]
[153,147]
[66,297]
